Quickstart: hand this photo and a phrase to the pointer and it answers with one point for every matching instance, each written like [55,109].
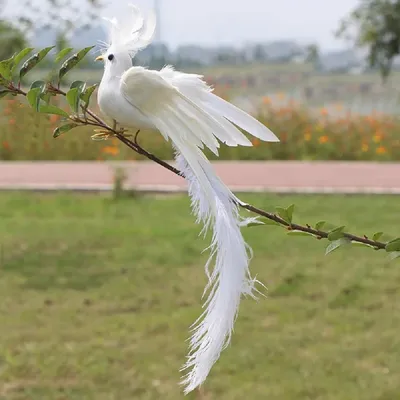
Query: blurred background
[316,82]
[97,291]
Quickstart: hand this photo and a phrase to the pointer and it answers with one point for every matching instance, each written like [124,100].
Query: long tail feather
[214,205]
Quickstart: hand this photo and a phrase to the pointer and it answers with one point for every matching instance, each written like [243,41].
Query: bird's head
[127,35]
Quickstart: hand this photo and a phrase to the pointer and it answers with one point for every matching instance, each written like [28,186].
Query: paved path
[280,177]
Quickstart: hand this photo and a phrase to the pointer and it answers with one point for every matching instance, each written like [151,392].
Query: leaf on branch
[290,211]
[336,244]
[6,69]
[393,255]
[50,109]
[87,94]
[62,129]
[336,234]
[263,222]
[33,97]
[34,60]
[63,53]
[286,213]
[393,245]
[377,236]
[39,84]
[320,225]
[20,56]
[73,61]
[46,96]
[300,233]
[3,81]
[362,244]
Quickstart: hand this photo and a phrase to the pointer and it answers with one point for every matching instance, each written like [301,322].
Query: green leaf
[20,56]
[73,61]
[87,94]
[393,255]
[336,234]
[80,85]
[34,60]
[336,244]
[284,214]
[393,245]
[50,109]
[300,233]
[62,129]
[63,53]
[263,222]
[362,244]
[290,211]
[39,84]
[6,69]
[46,97]
[377,236]
[4,93]
[320,225]
[33,97]
[73,99]
[3,81]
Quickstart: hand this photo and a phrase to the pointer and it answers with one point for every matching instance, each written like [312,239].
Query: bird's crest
[131,32]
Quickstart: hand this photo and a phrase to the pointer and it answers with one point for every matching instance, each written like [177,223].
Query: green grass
[97,297]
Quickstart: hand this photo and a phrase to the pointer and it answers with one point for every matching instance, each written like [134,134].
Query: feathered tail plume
[215,206]
[195,117]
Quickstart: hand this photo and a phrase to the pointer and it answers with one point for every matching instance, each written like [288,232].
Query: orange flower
[6,145]
[7,111]
[381,150]
[323,139]
[323,111]
[256,142]
[266,100]
[112,150]
[12,121]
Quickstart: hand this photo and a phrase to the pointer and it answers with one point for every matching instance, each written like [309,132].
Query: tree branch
[317,233]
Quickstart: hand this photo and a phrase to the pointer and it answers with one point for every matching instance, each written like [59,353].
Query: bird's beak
[99,58]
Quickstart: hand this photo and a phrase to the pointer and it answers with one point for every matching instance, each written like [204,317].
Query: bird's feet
[104,134]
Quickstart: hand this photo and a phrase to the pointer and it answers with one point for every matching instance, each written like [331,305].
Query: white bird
[183,108]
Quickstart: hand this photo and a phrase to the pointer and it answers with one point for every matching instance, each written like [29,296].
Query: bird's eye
[111,57]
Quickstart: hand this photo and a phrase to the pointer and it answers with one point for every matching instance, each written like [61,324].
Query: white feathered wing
[184,110]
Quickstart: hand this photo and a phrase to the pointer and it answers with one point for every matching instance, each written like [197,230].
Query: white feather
[132,32]
[184,110]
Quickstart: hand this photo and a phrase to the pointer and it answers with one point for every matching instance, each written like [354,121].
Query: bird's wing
[194,87]
[182,106]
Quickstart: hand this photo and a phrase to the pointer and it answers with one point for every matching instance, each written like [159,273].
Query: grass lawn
[97,297]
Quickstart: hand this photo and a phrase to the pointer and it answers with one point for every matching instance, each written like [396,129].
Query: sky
[211,22]
[235,22]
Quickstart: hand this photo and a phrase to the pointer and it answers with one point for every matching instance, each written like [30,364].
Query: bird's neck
[117,70]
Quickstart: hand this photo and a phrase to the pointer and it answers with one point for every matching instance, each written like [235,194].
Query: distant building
[279,51]
[341,61]
[195,55]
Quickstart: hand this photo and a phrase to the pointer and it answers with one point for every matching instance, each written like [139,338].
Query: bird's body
[183,108]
